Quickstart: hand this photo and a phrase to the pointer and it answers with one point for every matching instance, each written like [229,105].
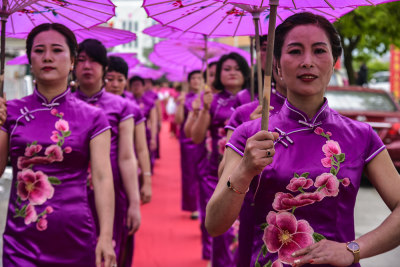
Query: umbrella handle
[256,20]
[268,68]
[3,52]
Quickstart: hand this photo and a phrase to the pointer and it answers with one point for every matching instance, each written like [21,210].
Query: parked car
[380,80]
[373,106]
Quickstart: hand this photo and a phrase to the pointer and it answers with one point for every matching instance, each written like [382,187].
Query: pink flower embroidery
[41,225]
[329,133]
[277,263]
[301,182]
[62,125]
[221,132]
[68,149]
[54,112]
[221,145]
[329,184]
[346,182]
[285,235]
[32,150]
[55,137]
[54,153]
[318,130]
[34,186]
[326,162]
[286,201]
[24,162]
[331,148]
[49,209]
[31,215]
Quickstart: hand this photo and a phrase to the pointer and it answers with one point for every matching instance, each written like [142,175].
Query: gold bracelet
[231,187]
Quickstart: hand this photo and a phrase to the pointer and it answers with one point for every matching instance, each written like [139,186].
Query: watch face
[353,246]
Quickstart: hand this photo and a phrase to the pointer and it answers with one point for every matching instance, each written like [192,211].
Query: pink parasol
[23,15]
[145,72]
[161,31]
[273,7]
[191,53]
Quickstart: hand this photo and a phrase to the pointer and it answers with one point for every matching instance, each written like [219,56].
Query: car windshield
[359,101]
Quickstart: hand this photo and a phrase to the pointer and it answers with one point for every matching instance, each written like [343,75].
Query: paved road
[370,212]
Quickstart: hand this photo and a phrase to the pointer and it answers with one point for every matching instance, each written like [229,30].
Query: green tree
[368,30]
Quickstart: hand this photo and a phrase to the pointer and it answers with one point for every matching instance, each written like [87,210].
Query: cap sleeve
[137,113]
[125,110]
[235,121]
[374,147]
[99,124]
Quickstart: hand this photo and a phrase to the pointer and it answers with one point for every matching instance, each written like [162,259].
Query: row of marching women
[81,155]
[282,196]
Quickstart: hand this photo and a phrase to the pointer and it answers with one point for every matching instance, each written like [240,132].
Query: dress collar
[291,112]
[90,99]
[57,100]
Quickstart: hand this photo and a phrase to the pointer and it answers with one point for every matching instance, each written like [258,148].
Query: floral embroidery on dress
[35,187]
[283,233]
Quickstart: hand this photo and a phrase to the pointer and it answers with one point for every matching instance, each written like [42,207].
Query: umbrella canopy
[191,53]
[167,32]
[216,19]
[310,3]
[24,15]
[109,37]
[146,72]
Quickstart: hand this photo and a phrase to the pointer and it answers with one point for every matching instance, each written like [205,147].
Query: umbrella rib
[84,7]
[237,27]
[170,10]
[17,7]
[325,13]
[212,13]
[372,4]
[184,16]
[79,12]
[329,4]
[294,4]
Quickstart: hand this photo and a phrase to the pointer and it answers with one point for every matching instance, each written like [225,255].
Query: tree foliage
[368,30]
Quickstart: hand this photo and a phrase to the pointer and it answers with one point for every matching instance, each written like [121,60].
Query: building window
[136,26]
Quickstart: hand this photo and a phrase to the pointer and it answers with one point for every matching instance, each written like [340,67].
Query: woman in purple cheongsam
[232,76]
[304,175]
[51,137]
[90,69]
[149,110]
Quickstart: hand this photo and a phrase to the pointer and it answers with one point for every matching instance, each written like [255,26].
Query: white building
[132,17]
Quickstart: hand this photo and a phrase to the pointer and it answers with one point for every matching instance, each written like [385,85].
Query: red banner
[395,71]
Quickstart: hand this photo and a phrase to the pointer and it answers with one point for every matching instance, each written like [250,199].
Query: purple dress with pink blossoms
[49,222]
[309,190]
[117,110]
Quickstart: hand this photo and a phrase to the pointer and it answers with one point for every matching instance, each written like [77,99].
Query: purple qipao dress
[49,222]
[311,186]
[193,167]
[220,111]
[245,237]
[116,110]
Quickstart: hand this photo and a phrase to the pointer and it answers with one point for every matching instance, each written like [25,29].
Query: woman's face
[50,57]
[306,63]
[88,72]
[137,88]
[231,76]
[115,82]
[196,82]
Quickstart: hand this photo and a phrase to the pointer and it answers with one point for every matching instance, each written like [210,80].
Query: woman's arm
[104,196]
[3,111]
[142,152]
[384,176]
[225,204]
[128,167]
[180,109]
[221,166]
[153,128]
[200,126]
[3,151]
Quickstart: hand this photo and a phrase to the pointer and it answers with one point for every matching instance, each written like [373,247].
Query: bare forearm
[128,169]
[180,114]
[383,238]
[192,117]
[199,129]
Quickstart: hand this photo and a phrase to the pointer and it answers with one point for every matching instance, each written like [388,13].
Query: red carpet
[167,237]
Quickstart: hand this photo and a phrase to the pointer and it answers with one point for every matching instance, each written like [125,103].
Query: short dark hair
[193,73]
[306,18]
[118,64]
[263,38]
[243,66]
[95,50]
[214,63]
[60,28]
[136,78]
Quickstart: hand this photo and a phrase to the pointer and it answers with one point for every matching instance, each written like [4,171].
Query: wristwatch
[354,248]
